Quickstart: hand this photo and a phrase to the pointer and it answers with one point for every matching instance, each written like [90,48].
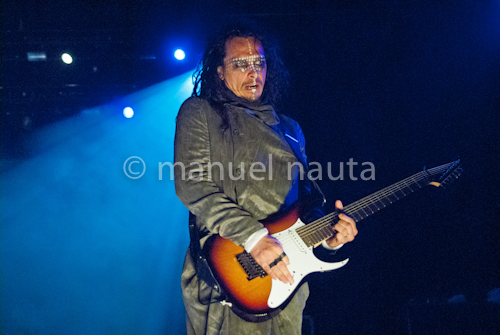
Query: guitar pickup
[251,267]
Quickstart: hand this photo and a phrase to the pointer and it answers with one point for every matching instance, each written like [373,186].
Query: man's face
[244,70]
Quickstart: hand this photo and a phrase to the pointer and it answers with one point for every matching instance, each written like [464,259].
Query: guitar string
[305,232]
[371,199]
[385,192]
[315,226]
[401,186]
[351,208]
[378,196]
[422,175]
[321,223]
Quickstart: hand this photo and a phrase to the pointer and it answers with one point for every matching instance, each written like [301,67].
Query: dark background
[400,84]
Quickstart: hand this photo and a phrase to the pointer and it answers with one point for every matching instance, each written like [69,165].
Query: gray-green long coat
[216,181]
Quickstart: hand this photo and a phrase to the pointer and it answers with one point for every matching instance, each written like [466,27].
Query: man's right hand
[265,252]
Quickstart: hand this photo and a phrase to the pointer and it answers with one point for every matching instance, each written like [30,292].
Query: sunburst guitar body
[253,295]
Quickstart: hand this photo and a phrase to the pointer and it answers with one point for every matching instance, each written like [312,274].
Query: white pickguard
[302,262]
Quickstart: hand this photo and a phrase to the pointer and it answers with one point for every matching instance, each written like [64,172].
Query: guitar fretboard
[322,229]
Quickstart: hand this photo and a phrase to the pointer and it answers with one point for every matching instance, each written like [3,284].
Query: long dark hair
[207,83]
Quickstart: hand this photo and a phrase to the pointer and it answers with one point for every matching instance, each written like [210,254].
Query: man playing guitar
[240,165]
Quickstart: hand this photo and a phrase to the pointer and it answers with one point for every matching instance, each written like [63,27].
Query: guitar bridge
[251,267]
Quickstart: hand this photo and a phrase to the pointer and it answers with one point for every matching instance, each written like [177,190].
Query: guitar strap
[291,140]
[203,270]
[294,144]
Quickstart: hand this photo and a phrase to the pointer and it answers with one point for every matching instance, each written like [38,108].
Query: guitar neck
[322,229]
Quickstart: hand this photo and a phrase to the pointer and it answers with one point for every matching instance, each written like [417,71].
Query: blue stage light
[128,112]
[66,58]
[179,54]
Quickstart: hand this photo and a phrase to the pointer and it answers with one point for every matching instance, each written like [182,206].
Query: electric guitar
[254,295]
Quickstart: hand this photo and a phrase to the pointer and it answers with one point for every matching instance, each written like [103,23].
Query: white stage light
[128,112]
[66,58]
[179,54]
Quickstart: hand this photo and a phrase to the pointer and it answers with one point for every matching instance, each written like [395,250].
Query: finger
[342,235]
[343,226]
[270,268]
[338,204]
[278,275]
[344,217]
[345,232]
[269,271]
[346,228]
[283,273]
[286,260]
[349,223]
[272,265]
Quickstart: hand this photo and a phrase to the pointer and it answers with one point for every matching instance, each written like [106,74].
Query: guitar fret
[416,185]
[308,241]
[372,208]
[316,236]
[400,190]
[375,203]
[380,205]
[422,183]
[385,199]
[356,216]
[406,190]
[324,235]
[408,186]
[401,194]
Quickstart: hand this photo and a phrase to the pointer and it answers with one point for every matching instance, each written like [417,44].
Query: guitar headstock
[452,172]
